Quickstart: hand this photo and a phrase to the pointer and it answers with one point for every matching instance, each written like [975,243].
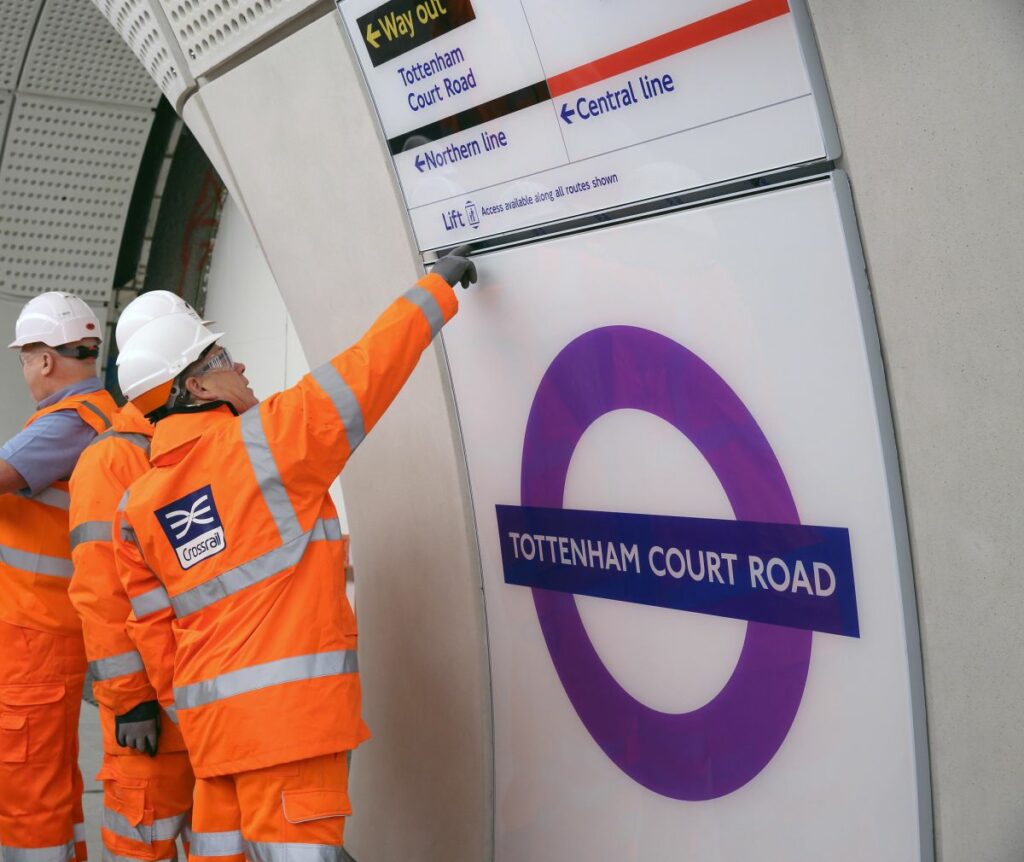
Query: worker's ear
[198,389]
[49,364]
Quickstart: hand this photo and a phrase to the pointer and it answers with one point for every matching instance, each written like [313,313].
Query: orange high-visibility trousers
[276,814]
[41,679]
[146,804]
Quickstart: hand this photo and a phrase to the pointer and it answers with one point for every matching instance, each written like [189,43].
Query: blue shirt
[48,449]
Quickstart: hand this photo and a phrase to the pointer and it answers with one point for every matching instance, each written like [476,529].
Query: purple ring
[716,749]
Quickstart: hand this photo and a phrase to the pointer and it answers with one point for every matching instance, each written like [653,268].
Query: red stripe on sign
[688,36]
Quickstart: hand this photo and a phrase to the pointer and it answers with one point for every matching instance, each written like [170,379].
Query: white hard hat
[147,306]
[54,319]
[159,351]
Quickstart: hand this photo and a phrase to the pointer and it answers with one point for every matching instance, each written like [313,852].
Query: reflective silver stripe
[253,572]
[326,531]
[55,567]
[98,412]
[140,440]
[172,713]
[150,602]
[267,851]
[79,833]
[60,853]
[54,497]
[216,843]
[344,400]
[123,502]
[267,475]
[164,829]
[424,300]
[91,531]
[300,667]
[115,666]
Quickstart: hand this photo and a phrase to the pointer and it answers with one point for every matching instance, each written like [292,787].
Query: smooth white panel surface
[18,405]
[763,290]
[932,143]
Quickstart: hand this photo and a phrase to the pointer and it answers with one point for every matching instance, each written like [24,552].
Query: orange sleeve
[314,427]
[150,623]
[116,666]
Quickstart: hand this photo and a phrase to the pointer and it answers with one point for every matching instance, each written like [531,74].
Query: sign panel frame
[512,172]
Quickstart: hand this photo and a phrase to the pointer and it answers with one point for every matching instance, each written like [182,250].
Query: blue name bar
[792,575]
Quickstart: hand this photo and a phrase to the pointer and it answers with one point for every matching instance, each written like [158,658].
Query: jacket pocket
[13,738]
[305,806]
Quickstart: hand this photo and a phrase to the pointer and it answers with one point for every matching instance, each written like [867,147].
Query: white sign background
[762,288]
[744,103]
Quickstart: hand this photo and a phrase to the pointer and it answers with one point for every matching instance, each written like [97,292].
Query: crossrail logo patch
[193,527]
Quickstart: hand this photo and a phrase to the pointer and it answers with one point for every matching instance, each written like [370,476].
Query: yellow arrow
[372,36]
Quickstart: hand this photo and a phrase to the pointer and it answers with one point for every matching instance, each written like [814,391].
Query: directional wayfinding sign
[504,115]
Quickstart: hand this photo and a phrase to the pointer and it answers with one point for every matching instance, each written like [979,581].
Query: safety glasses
[219,361]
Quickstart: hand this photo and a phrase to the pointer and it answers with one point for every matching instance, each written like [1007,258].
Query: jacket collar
[174,436]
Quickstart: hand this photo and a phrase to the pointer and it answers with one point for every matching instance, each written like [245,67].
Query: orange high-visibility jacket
[109,464]
[232,543]
[35,551]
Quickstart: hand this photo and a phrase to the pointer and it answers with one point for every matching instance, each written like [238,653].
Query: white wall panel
[75,55]
[195,116]
[211,31]
[18,406]
[18,17]
[299,135]
[66,182]
[929,110]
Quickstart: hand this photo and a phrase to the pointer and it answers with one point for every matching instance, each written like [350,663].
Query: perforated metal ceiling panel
[17,18]
[139,26]
[5,106]
[76,55]
[210,31]
[65,184]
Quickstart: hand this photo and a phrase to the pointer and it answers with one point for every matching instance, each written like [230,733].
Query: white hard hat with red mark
[55,319]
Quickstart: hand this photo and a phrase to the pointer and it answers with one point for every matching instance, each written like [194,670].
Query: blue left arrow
[420,163]
[567,113]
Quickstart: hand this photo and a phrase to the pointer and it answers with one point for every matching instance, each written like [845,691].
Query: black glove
[456,267]
[139,728]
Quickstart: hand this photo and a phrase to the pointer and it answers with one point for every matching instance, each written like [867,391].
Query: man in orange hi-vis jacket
[231,553]
[147,778]
[42,659]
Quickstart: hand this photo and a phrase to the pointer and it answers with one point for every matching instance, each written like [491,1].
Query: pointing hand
[456,267]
